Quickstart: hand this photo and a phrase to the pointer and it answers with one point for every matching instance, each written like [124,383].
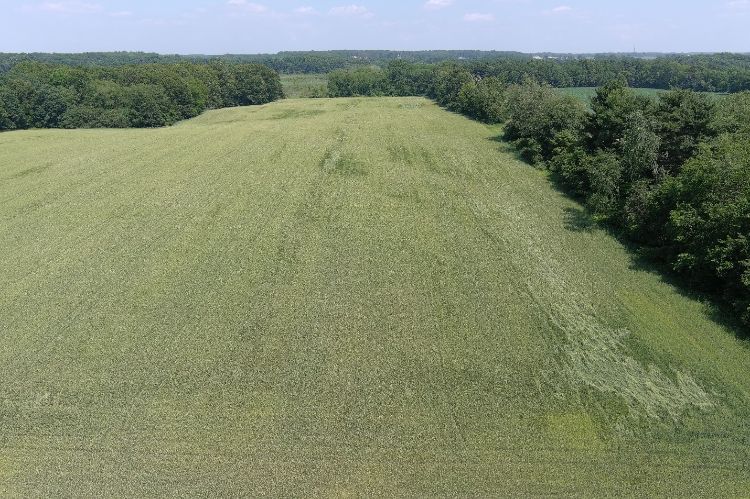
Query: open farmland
[298,86]
[342,296]
[585,94]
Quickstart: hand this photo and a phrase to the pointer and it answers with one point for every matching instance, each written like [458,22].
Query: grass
[352,296]
[304,86]
[585,94]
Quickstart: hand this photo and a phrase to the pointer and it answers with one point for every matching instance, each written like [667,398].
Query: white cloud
[306,11]
[66,7]
[739,4]
[560,9]
[476,17]
[437,4]
[351,11]
[244,5]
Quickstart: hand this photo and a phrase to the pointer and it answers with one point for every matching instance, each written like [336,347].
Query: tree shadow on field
[578,220]
[716,308]
[507,148]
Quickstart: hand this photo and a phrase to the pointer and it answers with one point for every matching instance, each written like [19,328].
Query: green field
[585,94]
[304,86]
[351,296]
[297,86]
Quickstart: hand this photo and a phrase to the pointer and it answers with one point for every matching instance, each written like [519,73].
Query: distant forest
[702,72]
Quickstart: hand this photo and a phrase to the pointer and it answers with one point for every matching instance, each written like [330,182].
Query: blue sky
[251,26]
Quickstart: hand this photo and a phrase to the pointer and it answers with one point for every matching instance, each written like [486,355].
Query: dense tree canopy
[672,174]
[39,95]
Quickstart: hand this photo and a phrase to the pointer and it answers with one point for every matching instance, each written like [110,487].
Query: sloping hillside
[340,296]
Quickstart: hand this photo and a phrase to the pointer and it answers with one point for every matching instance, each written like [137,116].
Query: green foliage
[710,219]
[568,162]
[406,79]
[538,116]
[636,168]
[358,82]
[705,72]
[605,174]
[450,80]
[149,106]
[684,119]
[640,148]
[483,100]
[35,95]
[732,114]
[10,110]
[611,108]
[85,116]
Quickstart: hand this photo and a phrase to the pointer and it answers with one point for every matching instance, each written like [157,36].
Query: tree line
[669,173]
[719,73]
[292,62]
[724,73]
[700,72]
[42,95]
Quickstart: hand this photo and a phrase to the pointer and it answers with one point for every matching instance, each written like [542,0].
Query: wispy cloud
[739,5]
[249,7]
[66,7]
[351,11]
[476,17]
[305,11]
[437,4]
[560,9]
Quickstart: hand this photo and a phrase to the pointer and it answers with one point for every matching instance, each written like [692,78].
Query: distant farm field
[298,86]
[304,86]
[585,94]
[340,297]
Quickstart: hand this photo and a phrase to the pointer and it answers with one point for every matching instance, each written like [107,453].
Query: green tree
[483,100]
[449,81]
[358,82]
[641,147]
[611,107]
[149,106]
[684,120]
[710,221]
[538,116]
[732,114]
[605,174]
[11,116]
